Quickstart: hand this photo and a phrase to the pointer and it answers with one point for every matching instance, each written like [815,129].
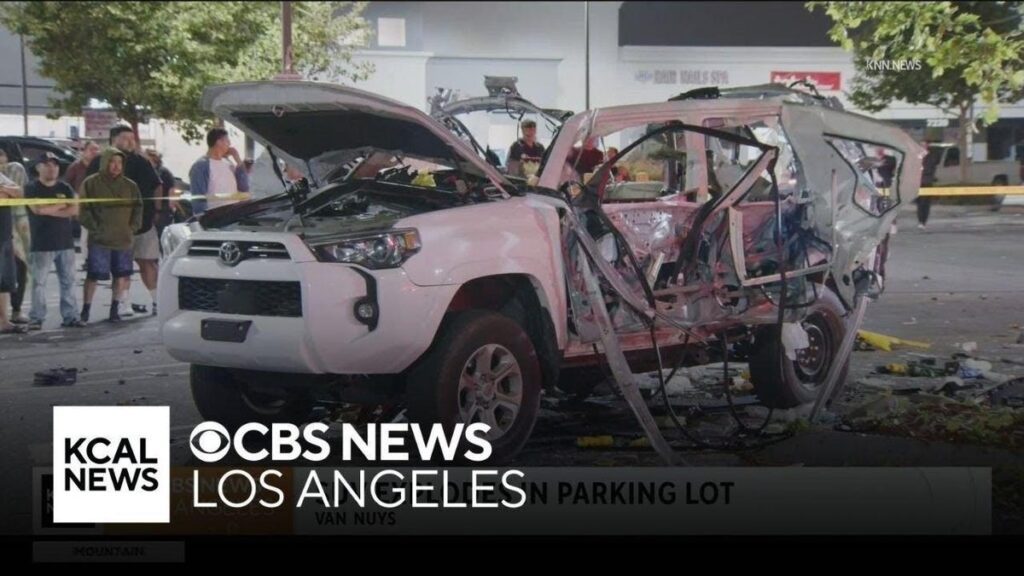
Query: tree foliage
[966,50]
[153,59]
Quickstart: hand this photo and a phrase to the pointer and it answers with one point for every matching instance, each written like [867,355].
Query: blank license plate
[225,330]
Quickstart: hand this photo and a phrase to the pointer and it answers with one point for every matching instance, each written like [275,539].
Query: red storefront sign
[821,80]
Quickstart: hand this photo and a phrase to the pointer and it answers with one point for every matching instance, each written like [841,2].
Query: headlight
[374,251]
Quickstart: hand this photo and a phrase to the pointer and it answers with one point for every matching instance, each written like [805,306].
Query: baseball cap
[48,157]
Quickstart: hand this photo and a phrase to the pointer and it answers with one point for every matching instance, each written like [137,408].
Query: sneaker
[73,324]
[84,316]
[124,310]
[114,317]
[34,326]
[19,318]
[139,308]
[920,226]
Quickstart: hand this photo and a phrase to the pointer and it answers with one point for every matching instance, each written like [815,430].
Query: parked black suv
[26,149]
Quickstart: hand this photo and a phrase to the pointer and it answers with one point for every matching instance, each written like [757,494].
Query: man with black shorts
[111,223]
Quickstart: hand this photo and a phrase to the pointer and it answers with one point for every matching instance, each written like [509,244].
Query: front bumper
[327,338]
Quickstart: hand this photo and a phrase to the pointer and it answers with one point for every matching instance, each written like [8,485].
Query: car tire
[505,395]
[784,383]
[221,396]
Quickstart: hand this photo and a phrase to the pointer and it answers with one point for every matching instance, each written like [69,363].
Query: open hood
[309,120]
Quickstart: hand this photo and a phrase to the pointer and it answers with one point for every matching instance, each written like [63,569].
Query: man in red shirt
[77,171]
[586,159]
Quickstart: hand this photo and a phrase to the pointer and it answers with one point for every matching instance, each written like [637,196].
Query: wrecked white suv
[407,273]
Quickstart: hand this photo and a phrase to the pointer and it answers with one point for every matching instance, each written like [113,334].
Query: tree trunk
[963,144]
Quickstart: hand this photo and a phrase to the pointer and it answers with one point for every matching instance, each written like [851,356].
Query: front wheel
[784,383]
[482,368]
[222,396]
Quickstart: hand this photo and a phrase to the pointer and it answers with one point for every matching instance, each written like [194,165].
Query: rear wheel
[222,396]
[784,383]
[482,368]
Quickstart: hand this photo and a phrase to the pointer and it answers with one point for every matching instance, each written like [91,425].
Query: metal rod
[829,388]
[24,86]
[586,66]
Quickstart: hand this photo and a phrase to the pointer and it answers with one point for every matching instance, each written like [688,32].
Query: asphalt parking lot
[961,280]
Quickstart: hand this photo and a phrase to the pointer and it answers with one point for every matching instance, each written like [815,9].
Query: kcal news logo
[111,464]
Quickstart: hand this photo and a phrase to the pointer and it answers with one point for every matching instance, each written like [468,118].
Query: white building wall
[497,35]
[493,38]
[398,75]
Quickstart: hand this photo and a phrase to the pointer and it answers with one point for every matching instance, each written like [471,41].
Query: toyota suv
[407,275]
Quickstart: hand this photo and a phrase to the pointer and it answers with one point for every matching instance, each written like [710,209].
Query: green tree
[153,59]
[968,52]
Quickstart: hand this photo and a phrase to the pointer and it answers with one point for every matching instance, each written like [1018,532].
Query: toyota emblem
[230,253]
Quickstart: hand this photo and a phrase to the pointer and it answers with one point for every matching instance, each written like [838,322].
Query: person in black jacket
[163,217]
[929,166]
[146,248]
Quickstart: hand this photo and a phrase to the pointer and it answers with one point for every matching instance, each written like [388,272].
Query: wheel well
[515,295]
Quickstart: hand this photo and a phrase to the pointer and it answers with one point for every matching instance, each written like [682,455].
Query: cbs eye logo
[210,441]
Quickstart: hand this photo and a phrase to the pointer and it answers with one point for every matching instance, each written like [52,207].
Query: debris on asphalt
[877,341]
[609,441]
[1010,393]
[936,417]
[902,386]
[912,369]
[138,400]
[56,377]
[954,384]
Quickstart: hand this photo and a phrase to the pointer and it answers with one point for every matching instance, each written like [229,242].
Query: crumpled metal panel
[652,227]
[832,183]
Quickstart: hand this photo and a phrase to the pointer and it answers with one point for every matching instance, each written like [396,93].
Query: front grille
[249,250]
[248,297]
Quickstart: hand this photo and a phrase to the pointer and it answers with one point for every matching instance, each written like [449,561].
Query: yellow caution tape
[965,191]
[5,202]
[972,191]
